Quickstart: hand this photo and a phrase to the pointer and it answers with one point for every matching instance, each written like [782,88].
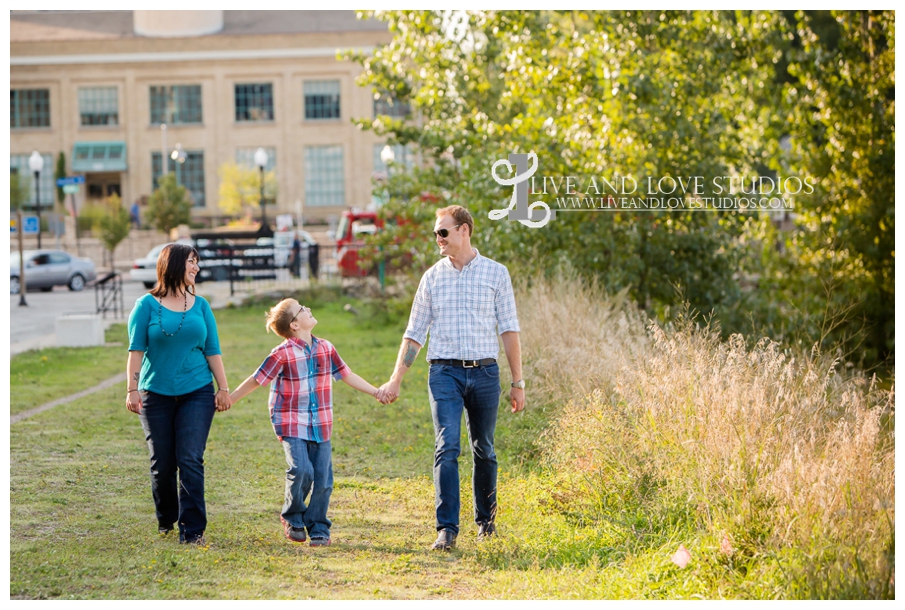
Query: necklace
[185,307]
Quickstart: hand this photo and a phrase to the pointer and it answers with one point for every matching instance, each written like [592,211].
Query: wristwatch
[520,384]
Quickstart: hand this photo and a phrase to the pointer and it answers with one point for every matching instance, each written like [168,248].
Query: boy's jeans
[310,468]
[477,391]
[176,428]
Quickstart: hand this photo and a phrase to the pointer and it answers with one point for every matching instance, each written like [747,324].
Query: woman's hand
[133,402]
[222,400]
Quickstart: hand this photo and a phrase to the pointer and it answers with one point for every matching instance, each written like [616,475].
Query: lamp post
[163,149]
[36,164]
[261,162]
[19,232]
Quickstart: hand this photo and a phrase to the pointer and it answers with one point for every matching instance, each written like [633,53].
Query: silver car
[45,269]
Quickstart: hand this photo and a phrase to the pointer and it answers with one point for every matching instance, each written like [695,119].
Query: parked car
[45,269]
[145,269]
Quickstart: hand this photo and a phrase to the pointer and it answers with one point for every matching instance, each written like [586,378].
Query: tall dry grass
[671,432]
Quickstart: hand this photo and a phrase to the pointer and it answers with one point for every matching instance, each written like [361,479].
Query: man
[464,300]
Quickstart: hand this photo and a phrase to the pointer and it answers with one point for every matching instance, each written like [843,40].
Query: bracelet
[130,391]
[223,390]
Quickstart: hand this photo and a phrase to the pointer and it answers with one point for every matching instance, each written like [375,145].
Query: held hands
[223,400]
[388,392]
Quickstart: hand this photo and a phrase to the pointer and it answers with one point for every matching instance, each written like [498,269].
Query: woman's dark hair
[171,269]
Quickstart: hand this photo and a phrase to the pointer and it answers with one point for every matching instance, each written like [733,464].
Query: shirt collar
[302,344]
[472,262]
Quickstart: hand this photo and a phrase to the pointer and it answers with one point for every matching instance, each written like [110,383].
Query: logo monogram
[518,208]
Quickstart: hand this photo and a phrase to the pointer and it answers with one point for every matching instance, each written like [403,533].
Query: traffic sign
[71,180]
[71,189]
[29,222]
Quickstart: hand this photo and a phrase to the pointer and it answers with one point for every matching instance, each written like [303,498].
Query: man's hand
[517,398]
[390,392]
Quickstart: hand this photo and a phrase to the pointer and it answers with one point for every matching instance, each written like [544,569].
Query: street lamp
[163,149]
[261,162]
[387,156]
[36,164]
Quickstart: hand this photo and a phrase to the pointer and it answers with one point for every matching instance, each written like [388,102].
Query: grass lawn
[82,520]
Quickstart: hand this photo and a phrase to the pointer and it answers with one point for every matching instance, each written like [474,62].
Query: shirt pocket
[483,299]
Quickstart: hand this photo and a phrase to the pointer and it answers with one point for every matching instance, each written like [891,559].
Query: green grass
[82,519]
[39,376]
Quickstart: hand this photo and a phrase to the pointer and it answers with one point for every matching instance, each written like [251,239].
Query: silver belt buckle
[473,366]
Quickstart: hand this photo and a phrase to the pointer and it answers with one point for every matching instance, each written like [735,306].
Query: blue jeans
[453,389]
[310,469]
[176,428]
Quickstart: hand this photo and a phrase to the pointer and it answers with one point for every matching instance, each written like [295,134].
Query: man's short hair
[460,215]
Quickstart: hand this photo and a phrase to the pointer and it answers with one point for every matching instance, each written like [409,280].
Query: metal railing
[108,295]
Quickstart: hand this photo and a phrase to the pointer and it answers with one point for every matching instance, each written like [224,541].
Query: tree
[19,188]
[60,172]
[593,93]
[169,205]
[113,227]
[841,109]
[240,188]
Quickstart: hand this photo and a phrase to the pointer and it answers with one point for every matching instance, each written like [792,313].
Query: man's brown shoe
[446,541]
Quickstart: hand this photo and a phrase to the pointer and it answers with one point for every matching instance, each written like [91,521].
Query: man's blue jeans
[453,389]
[310,468]
[176,428]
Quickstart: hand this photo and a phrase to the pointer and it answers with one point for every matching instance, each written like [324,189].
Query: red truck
[353,226]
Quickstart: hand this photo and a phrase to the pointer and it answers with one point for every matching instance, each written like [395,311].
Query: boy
[300,371]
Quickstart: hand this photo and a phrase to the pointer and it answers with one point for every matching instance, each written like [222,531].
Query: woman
[173,349]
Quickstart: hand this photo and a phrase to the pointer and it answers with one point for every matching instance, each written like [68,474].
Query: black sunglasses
[444,233]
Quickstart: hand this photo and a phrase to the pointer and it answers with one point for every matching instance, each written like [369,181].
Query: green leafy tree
[19,188]
[60,172]
[169,206]
[113,227]
[593,93]
[839,274]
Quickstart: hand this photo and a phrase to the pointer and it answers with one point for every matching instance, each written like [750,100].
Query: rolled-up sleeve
[338,368]
[212,342]
[507,320]
[422,314]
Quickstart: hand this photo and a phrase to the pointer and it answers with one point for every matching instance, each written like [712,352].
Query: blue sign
[30,223]
[71,180]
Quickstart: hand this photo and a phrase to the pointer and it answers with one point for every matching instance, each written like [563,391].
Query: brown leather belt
[466,364]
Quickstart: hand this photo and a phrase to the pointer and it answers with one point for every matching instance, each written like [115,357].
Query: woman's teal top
[173,365]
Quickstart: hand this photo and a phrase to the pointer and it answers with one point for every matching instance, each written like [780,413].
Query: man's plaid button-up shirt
[463,310]
[301,387]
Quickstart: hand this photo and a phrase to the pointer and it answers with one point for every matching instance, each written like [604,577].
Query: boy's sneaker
[320,541]
[295,534]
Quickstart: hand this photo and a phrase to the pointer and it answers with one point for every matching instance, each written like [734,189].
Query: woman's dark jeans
[176,428]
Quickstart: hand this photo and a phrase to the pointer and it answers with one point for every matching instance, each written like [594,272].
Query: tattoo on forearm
[409,358]
[135,377]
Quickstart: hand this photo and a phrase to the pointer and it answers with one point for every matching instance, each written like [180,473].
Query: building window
[245,157]
[29,108]
[321,99]
[189,174]
[404,156]
[18,164]
[179,104]
[325,182]
[390,106]
[254,102]
[99,106]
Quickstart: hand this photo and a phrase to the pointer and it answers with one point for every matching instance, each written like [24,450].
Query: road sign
[71,189]
[71,180]
[29,222]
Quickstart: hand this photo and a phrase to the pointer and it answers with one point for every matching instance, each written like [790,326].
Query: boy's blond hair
[280,317]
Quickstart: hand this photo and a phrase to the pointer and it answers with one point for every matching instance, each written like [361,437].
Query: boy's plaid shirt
[301,387]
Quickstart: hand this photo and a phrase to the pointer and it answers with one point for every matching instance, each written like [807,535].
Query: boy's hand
[382,396]
[390,391]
